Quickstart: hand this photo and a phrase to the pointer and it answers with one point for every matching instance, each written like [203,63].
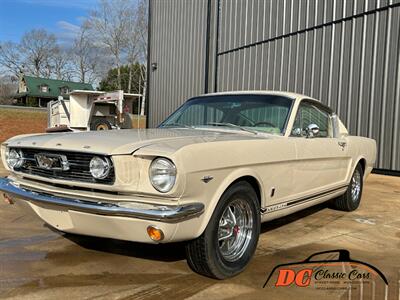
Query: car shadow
[162,252]
[170,252]
[274,224]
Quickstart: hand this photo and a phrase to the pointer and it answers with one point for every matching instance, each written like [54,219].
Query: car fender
[233,176]
[361,148]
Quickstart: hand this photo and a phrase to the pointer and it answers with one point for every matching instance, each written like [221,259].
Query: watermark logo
[288,276]
[329,270]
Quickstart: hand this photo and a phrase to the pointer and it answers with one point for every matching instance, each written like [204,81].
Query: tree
[137,39]
[60,64]
[114,35]
[110,26]
[142,29]
[141,26]
[10,58]
[37,54]
[110,82]
[137,48]
[132,55]
[8,87]
[38,47]
[85,57]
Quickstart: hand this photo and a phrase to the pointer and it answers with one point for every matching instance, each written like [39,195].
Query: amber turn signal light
[155,233]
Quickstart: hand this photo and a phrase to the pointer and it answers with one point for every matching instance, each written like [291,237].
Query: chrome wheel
[235,229]
[356,185]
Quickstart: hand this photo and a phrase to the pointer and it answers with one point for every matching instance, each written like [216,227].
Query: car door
[321,158]
[276,155]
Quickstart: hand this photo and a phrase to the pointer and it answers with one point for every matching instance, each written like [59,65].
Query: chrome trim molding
[162,213]
[279,206]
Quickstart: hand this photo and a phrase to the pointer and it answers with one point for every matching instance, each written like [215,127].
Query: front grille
[78,166]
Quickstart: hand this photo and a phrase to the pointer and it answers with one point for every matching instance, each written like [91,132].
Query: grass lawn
[15,121]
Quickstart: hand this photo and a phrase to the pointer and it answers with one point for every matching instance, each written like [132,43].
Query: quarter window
[311,114]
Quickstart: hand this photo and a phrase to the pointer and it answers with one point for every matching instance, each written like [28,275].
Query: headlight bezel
[20,159]
[167,169]
[106,164]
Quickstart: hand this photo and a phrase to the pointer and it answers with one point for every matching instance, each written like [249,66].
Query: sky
[61,17]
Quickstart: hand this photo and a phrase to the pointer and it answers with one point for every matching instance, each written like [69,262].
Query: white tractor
[95,110]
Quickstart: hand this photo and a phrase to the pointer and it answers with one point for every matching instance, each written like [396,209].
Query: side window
[311,114]
[272,116]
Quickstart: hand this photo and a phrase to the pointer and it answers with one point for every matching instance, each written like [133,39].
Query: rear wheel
[230,238]
[350,200]
[101,124]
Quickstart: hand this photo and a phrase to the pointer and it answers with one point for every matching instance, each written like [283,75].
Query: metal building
[343,52]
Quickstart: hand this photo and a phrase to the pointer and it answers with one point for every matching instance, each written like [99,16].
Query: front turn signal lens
[155,233]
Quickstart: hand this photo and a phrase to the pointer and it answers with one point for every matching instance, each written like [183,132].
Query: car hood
[125,141]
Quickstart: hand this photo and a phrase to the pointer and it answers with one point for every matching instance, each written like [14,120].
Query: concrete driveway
[37,262]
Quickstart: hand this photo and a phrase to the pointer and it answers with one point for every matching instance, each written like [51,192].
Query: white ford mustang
[209,175]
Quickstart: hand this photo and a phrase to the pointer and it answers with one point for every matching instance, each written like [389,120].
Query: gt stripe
[302,200]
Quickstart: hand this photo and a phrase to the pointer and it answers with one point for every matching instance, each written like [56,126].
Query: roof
[86,92]
[34,83]
[260,92]
[97,93]
[294,96]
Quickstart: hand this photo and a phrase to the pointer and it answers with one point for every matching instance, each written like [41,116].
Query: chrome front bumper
[162,213]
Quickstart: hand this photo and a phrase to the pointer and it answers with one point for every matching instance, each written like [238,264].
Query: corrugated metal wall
[177,45]
[345,53]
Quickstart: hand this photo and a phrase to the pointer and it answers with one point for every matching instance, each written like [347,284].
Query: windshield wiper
[233,126]
[177,125]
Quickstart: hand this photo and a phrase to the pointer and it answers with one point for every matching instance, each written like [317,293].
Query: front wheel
[350,200]
[230,238]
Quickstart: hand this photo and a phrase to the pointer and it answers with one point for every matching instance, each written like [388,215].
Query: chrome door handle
[342,144]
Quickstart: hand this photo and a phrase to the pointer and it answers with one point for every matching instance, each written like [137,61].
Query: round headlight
[162,174]
[100,167]
[14,158]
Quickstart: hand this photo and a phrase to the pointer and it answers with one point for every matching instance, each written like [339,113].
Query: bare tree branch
[38,46]
[142,32]
[8,87]
[110,26]
[61,64]
[85,58]
[10,58]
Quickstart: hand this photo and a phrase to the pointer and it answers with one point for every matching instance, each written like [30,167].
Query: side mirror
[296,131]
[312,130]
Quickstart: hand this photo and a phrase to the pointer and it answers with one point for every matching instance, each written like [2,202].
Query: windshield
[254,113]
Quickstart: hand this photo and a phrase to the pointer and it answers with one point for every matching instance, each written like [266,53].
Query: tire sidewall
[240,190]
[354,204]
[101,122]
